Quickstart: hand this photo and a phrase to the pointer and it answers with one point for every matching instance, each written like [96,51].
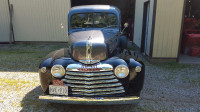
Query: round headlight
[58,71]
[121,71]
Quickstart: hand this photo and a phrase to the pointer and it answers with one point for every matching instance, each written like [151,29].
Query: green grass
[24,57]
[171,66]
[131,48]
[193,81]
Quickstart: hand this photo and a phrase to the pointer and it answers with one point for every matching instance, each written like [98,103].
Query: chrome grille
[93,83]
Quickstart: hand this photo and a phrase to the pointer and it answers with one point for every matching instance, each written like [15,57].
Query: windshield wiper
[110,26]
[78,28]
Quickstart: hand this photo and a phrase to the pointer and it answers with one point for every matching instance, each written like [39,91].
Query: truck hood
[96,36]
[90,47]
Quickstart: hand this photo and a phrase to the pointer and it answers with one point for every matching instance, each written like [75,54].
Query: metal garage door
[4,21]
[40,20]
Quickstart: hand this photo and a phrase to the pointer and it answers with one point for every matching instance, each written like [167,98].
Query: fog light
[121,71]
[43,69]
[138,69]
[58,71]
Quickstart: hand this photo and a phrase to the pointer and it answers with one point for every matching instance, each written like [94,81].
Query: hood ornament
[89,59]
[89,50]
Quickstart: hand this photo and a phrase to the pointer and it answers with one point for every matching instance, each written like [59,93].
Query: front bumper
[91,101]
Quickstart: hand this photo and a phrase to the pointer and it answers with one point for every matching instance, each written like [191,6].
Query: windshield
[94,20]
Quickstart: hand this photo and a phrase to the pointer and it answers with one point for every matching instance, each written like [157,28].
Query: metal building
[157,23]
[157,27]
[4,21]
[35,20]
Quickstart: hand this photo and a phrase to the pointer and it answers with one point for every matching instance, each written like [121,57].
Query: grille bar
[94,86]
[90,82]
[95,94]
[89,78]
[97,90]
[89,74]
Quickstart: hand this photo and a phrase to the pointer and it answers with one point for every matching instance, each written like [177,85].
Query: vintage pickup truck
[95,68]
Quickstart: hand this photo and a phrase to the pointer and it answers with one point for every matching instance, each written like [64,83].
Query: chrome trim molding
[89,61]
[99,66]
[89,74]
[66,58]
[91,101]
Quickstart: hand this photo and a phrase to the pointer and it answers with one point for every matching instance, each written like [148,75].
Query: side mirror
[126,25]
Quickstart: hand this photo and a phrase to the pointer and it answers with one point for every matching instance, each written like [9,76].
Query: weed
[171,66]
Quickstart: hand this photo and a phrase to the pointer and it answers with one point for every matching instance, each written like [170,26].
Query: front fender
[133,63]
[136,80]
[46,63]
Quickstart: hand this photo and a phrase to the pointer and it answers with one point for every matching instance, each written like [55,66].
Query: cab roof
[94,8]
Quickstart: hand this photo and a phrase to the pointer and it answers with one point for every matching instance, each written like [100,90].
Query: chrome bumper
[91,101]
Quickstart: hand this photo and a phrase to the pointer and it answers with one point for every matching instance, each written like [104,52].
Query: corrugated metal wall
[139,5]
[4,21]
[167,28]
[40,20]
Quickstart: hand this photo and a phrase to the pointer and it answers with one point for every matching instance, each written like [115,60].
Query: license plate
[58,90]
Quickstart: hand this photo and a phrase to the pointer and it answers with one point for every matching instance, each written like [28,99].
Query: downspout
[12,38]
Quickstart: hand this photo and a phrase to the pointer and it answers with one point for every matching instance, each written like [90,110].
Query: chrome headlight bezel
[58,71]
[121,71]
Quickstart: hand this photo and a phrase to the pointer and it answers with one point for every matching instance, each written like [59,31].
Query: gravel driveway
[168,87]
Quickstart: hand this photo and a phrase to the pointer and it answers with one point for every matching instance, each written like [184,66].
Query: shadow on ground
[31,103]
